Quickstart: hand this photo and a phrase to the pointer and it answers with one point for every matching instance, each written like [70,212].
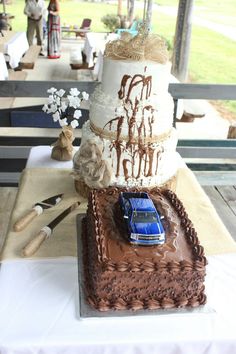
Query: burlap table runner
[39,183]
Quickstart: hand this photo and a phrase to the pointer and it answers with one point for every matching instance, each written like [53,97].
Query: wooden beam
[222,178]
[203,91]
[209,152]
[39,88]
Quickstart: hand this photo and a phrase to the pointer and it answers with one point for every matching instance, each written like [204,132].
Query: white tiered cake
[129,139]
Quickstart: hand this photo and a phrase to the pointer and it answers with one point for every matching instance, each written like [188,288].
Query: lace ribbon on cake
[140,47]
[105,134]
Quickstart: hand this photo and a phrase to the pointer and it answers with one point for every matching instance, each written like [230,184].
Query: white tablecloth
[3,68]
[39,314]
[40,156]
[95,45]
[16,48]
[39,310]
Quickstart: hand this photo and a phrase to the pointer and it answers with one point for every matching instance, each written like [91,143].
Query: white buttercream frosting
[131,117]
[105,107]
[162,167]
[114,71]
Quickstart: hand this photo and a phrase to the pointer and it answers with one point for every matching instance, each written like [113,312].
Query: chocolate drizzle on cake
[146,84]
[139,118]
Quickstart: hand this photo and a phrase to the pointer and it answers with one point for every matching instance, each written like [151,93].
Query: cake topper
[143,30]
[143,46]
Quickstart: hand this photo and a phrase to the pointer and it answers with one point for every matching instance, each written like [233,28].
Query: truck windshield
[144,217]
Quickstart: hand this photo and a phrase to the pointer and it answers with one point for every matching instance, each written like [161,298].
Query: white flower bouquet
[64,107]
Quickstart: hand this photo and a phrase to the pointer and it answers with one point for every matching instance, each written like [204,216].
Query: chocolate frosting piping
[198,264]
[150,304]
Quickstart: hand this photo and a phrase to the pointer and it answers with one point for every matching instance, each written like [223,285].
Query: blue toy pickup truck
[142,219]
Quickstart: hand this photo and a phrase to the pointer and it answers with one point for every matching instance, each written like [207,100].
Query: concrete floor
[211,126]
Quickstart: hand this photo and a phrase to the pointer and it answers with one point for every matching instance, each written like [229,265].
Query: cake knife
[45,232]
[37,209]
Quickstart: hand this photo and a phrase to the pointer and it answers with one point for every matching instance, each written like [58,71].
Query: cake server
[45,232]
[37,209]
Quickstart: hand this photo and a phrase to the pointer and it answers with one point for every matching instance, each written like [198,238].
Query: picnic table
[13,45]
[74,30]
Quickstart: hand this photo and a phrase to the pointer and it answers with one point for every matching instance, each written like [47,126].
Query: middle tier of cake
[140,162]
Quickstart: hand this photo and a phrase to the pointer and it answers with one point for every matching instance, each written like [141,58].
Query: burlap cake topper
[143,46]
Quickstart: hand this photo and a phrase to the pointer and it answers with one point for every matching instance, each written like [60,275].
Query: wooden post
[149,13]
[232,132]
[119,9]
[4,6]
[131,11]
[144,9]
[182,40]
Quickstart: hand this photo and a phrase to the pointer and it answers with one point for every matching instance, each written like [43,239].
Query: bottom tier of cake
[119,275]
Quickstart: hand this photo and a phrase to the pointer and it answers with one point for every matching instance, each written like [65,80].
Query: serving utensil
[45,232]
[37,209]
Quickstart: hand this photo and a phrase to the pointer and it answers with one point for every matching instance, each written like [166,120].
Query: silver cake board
[86,312]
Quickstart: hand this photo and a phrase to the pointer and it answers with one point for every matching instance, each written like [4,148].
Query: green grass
[212,56]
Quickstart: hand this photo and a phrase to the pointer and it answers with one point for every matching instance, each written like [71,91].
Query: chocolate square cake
[120,275]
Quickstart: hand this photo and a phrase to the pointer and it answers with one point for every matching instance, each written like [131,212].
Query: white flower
[52,108]
[85,95]
[57,101]
[61,92]
[45,108]
[52,90]
[74,101]
[50,99]
[63,122]
[74,92]
[64,109]
[56,117]
[77,114]
[64,105]
[74,123]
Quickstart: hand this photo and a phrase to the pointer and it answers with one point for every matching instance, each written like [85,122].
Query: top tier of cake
[134,75]
[135,91]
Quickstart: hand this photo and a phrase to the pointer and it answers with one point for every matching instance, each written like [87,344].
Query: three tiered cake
[129,144]
[129,139]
